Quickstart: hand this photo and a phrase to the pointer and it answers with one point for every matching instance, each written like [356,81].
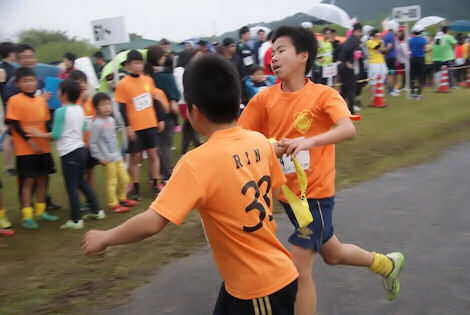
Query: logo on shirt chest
[303,120]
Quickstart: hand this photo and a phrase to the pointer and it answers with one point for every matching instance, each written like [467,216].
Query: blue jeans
[73,169]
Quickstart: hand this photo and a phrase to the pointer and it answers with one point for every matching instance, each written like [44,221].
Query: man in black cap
[230,52]
[244,51]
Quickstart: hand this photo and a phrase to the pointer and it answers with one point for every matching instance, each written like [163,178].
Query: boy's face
[136,66]
[27,84]
[245,36]
[285,60]
[261,36]
[67,63]
[258,76]
[83,86]
[27,59]
[105,108]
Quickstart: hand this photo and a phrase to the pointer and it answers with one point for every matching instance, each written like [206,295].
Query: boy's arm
[162,100]
[135,229]
[93,143]
[344,130]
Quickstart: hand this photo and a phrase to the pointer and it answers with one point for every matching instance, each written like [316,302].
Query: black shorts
[391,63]
[145,139]
[91,162]
[280,303]
[34,165]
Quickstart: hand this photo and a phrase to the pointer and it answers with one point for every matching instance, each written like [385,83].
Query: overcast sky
[153,19]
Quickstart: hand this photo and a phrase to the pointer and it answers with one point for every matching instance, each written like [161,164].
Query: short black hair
[98,54]
[23,47]
[134,55]
[332,30]
[24,72]
[260,31]
[70,56]
[373,32]
[212,83]
[444,29]
[78,75]
[99,97]
[6,48]
[303,41]
[228,41]
[255,67]
[243,30]
[71,88]
[326,29]
[357,27]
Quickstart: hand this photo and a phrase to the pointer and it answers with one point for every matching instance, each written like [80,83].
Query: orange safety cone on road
[444,83]
[378,100]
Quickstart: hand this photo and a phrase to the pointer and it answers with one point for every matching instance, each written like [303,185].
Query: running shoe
[391,283]
[71,225]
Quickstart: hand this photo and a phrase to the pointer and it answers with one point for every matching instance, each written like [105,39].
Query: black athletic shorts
[91,162]
[145,139]
[34,165]
[391,63]
[279,303]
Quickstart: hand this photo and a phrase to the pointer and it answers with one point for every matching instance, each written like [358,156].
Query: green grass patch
[45,272]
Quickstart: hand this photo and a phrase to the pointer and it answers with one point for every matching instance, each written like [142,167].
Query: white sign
[407,14]
[109,31]
[84,64]
[329,70]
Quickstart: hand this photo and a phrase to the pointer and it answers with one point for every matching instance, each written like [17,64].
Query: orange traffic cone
[468,79]
[444,84]
[378,100]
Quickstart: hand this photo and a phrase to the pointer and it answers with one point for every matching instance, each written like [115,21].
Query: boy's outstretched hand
[94,242]
[294,146]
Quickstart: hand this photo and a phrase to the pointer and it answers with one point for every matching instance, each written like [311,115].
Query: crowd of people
[237,83]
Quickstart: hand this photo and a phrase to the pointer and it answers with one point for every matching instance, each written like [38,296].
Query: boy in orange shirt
[236,208]
[137,96]
[301,115]
[33,158]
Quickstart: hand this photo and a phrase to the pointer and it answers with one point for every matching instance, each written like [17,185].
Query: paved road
[423,211]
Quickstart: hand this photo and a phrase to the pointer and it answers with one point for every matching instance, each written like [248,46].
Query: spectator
[230,52]
[448,43]
[257,81]
[377,66]
[391,60]
[325,53]
[437,56]
[336,45]
[68,60]
[403,55]
[7,54]
[98,63]
[261,39]
[417,47]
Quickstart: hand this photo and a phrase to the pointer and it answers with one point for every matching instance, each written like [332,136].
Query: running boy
[104,147]
[237,213]
[33,158]
[137,96]
[305,112]
[67,129]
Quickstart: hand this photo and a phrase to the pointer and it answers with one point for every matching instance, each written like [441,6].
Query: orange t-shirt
[31,112]
[136,93]
[90,113]
[230,179]
[312,110]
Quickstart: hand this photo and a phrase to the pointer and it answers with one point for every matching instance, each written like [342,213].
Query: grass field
[45,272]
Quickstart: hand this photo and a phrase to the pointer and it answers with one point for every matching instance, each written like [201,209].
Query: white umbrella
[330,13]
[254,31]
[430,20]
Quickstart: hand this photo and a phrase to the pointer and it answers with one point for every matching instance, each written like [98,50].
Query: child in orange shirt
[301,115]
[33,158]
[236,208]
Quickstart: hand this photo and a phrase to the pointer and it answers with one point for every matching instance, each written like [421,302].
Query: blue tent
[460,26]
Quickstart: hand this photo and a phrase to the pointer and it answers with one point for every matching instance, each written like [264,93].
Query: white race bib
[142,101]
[288,166]
[248,61]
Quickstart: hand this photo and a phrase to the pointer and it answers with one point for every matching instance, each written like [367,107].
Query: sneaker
[96,216]
[119,209]
[394,94]
[53,206]
[357,108]
[6,232]
[11,172]
[5,223]
[391,283]
[134,196]
[29,224]
[71,225]
[128,203]
[48,217]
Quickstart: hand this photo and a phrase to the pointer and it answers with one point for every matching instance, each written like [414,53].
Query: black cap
[134,55]
[164,41]
[202,42]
